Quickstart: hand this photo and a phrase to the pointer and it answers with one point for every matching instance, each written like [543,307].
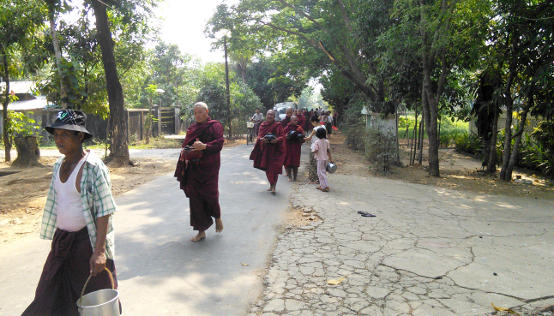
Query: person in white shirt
[312,170]
[257,118]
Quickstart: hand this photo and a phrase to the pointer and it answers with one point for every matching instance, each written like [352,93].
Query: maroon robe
[292,159]
[300,120]
[285,121]
[270,157]
[64,274]
[200,178]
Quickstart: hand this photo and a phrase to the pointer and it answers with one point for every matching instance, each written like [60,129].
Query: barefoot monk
[295,137]
[198,171]
[269,152]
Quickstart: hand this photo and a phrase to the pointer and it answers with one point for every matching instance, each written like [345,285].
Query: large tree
[19,22]
[445,36]
[119,150]
[328,33]
[525,32]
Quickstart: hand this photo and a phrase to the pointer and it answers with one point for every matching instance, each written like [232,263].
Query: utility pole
[228,94]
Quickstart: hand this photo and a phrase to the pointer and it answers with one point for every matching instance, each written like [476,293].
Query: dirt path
[23,194]
[458,172]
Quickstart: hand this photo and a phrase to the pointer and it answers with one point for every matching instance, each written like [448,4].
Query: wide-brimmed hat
[71,120]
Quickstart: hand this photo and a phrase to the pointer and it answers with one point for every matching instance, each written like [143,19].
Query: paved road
[160,271]
[428,251]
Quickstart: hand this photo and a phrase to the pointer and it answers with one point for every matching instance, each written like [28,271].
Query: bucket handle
[88,279]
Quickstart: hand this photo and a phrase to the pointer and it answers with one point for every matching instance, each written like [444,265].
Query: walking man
[77,217]
[269,152]
[198,171]
[257,118]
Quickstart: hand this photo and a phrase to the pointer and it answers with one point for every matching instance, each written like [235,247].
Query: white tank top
[69,209]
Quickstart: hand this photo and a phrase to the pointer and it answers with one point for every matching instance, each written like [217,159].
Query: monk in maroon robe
[286,120]
[198,171]
[269,152]
[294,144]
[301,120]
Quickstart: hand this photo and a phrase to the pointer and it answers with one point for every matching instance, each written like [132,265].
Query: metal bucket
[103,302]
[331,167]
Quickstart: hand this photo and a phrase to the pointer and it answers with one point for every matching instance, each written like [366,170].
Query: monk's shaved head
[202,105]
[201,112]
[270,116]
[294,119]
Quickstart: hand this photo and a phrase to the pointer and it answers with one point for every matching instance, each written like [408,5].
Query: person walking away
[312,169]
[270,150]
[77,218]
[322,153]
[198,171]
[329,124]
[294,139]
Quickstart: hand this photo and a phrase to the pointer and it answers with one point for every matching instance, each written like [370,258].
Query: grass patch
[450,129]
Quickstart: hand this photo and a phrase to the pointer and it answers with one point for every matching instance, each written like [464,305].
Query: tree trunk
[507,138]
[27,152]
[5,118]
[508,124]
[420,140]
[431,124]
[412,157]
[57,55]
[397,141]
[491,155]
[515,150]
[439,133]
[119,150]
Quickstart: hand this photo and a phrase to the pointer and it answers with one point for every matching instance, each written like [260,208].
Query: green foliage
[21,125]
[450,130]
[469,144]
[274,81]
[243,99]
[537,150]
[82,71]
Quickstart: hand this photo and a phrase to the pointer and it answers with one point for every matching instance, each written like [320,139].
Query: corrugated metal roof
[38,103]
[24,86]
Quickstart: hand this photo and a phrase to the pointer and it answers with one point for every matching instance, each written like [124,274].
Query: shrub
[469,143]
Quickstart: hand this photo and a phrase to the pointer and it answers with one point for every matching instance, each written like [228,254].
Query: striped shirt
[96,201]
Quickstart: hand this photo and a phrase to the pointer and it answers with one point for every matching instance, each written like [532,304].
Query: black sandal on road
[366,214]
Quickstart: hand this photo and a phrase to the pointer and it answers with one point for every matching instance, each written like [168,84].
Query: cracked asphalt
[428,251]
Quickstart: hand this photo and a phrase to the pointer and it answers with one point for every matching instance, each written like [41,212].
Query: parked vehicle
[281,109]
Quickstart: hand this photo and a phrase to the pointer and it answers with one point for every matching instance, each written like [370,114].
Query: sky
[182,22]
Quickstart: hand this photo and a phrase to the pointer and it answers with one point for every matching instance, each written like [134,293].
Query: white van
[281,109]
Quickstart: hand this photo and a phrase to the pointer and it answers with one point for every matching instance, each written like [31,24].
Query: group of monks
[278,144]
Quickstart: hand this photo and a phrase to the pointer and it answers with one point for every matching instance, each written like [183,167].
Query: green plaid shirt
[96,200]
